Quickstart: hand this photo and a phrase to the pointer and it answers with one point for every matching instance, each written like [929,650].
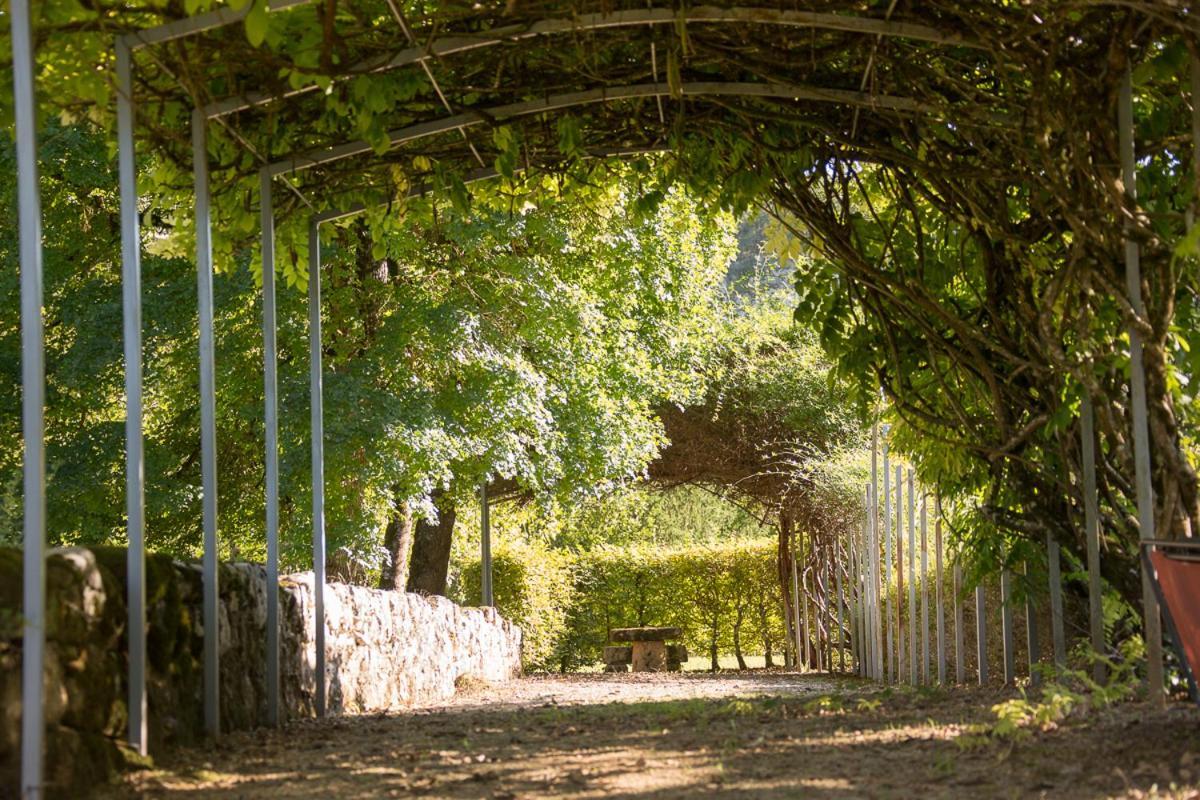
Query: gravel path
[637,687]
[653,737]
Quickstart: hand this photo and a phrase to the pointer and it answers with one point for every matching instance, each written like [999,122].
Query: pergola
[857,68]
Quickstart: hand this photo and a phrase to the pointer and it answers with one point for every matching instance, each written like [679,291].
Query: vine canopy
[947,172]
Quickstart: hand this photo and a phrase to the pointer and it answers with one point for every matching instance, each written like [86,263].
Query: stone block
[618,655]
[649,657]
[644,634]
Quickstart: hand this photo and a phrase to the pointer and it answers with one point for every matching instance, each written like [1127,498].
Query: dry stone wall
[385,651]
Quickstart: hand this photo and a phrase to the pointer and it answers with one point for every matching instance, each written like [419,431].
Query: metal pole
[1137,387]
[924,594]
[870,594]
[317,420]
[885,573]
[938,599]
[981,633]
[960,633]
[271,423]
[1091,517]
[208,425]
[877,621]
[866,565]
[131,299]
[485,539]
[866,646]
[1054,567]
[1195,98]
[1006,627]
[1033,646]
[912,579]
[855,585]
[805,622]
[873,563]
[821,603]
[796,659]
[900,659]
[33,394]
[841,617]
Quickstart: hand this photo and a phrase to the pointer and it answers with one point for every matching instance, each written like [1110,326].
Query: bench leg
[649,656]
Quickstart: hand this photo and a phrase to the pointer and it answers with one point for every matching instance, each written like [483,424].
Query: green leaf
[256,23]
[569,135]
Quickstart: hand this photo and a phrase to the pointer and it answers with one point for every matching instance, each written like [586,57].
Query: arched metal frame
[33,345]
[314,158]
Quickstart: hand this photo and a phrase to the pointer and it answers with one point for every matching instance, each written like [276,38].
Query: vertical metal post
[805,623]
[821,604]
[885,573]
[833,607]
[796,658]
[872,556]
[271,424]
[33,395]
[1032,644]
[866,625]
[841,617]
[981,633]
[877,621]
[131,300]
[1006,627]
[855,580]
[1091,522]
[867,647]
[1054,567]
[485,540]
[938,599]
[924,593]
[900,654]
[1137,389]
[1195,98]
[912,579]
[861,651]
[208,425]
[960,633]
[317,423]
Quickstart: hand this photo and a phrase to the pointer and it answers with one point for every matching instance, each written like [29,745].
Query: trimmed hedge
[725,598]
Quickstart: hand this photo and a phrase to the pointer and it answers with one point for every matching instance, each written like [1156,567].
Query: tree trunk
[791,654]
[430,559]
[737,637]
[714,661]
[768,661]
[397,542]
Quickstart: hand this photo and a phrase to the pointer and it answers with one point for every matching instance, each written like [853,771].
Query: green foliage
[626,516]
[1071,693]
[532,587]
[572,602]
[534,344]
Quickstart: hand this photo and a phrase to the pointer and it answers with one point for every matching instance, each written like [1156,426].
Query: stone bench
[648,650]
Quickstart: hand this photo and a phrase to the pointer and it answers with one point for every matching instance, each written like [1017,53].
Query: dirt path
[682,736]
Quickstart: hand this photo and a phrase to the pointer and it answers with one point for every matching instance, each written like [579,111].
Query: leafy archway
[950,171]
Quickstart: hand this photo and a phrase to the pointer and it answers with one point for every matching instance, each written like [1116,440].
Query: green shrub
[567,605]
[532,586]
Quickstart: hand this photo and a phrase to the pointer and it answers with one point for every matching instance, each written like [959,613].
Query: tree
[530,346]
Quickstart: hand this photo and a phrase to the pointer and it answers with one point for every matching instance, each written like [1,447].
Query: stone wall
[385,651]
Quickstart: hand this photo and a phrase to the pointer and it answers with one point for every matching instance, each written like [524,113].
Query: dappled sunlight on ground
[760,735]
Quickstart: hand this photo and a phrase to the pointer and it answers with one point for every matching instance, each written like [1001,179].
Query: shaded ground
[764,735]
